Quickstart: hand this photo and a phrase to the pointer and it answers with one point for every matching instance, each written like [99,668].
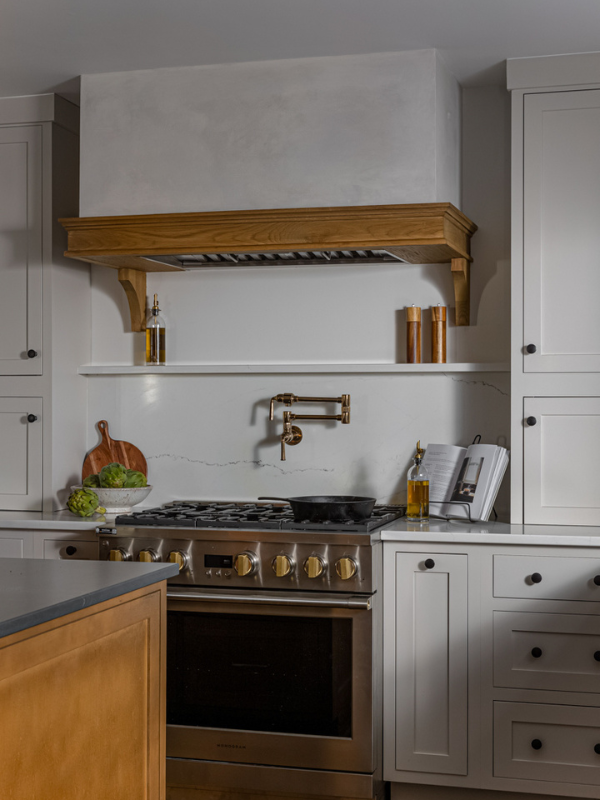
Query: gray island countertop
[33,590]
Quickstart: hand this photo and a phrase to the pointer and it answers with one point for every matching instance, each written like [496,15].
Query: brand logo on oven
[233,746]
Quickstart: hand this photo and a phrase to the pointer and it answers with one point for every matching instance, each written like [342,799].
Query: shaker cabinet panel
[21,448]
[21,250]
[561,460]
[431,663]
[561,279]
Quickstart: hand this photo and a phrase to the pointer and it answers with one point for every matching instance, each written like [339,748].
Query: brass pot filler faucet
[292,434]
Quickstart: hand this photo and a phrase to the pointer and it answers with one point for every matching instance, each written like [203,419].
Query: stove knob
[245,564]
[148,556]
[119,554]
[179,558]
[314,566]
[282,566]
[346,567]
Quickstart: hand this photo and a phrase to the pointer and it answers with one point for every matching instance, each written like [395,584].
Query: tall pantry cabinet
[44,305]
[555,289]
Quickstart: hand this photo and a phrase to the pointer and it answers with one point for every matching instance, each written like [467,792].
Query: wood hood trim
[423,233]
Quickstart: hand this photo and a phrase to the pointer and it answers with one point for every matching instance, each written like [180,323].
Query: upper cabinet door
[561,252]
[21,250]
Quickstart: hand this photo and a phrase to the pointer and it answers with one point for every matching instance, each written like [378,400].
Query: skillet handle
[284,499]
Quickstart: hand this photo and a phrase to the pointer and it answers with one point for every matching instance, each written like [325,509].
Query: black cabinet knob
[597,580]
[531,348]
[31,417]
[429,563]
[536,652]
[531,421]
[597,749]
[536,578]
[597,655]
[70,551]
[31,353]
[536,744]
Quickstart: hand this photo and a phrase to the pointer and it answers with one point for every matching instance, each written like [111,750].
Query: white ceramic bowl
[118,501]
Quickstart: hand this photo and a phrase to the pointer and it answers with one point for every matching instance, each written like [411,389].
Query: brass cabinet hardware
[292,434]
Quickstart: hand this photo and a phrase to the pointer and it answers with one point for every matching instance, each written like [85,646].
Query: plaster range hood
[425,233]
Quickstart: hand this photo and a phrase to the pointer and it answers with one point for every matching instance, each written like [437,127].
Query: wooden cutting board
[110,450]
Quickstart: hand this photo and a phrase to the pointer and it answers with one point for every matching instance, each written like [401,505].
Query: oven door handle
[325,601]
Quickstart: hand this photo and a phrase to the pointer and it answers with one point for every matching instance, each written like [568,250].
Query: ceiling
[46,44]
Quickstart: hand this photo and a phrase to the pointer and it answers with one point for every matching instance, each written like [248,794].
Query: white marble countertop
[458,532]
[59,520]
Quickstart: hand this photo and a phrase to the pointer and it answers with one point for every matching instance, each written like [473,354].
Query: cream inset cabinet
[21,437]
[21,250]
[561,438]
[425,682]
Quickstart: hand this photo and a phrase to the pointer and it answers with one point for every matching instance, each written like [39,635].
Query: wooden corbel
[461,273]
[134,283]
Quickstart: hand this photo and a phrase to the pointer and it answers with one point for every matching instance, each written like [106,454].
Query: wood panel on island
[421,233]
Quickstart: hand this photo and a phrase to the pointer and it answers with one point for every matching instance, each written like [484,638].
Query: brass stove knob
[179,558]
[119,554]
[314,566]
[245,564]
[147,556]
[282,566]
[346,567]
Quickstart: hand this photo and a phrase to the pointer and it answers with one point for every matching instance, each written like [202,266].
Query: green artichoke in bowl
[134,479]
[113,476]
[92,481]
[84,503]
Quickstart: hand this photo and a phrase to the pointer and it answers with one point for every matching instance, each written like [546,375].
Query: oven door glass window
[260,673]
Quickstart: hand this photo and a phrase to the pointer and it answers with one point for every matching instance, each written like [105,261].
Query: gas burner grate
[249,516]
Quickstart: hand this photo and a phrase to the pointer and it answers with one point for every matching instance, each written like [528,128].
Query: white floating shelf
[302,369]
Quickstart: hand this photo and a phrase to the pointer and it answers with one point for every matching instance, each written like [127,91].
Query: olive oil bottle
[156,336]
[417,502]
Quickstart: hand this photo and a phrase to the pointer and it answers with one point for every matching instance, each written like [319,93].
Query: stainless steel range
[274,645]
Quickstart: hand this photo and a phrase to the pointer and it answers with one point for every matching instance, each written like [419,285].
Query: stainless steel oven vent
[289,258]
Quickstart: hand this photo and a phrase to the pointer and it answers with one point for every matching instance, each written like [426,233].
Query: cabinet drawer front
[71,549]
[547,743]
[561,578]
[547,651]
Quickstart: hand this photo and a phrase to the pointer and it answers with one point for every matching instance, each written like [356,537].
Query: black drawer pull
[70,550]
[531,421]
[536,578]
[31,417]
[597,580]
[536,744]
[536,652]
[597,655]
[531,348]
[597,749]
[429,563]
[31,353]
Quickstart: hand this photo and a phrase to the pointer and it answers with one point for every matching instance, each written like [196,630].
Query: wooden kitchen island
[82,680]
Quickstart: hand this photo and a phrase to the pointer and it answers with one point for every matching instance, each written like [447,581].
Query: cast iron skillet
[335,508]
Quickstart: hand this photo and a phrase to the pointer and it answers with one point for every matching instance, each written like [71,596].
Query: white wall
[314,132]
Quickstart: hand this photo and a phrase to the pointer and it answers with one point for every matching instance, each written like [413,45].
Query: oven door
[274,679]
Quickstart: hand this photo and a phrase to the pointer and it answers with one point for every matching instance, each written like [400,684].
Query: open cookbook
[464,481]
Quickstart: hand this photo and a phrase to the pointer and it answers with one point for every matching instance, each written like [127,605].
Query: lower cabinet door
[547,743]
[71,549]
[21,448]
[431,663]
[560,432]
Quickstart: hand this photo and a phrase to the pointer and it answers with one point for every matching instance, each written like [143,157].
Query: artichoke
[113,476]
[91,481]
[84,502]
[134,479]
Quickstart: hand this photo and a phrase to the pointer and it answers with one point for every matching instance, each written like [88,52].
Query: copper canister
[438,334]
[413,335]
